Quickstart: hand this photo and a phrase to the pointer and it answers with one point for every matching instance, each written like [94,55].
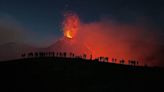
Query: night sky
[42,19]
[122,28]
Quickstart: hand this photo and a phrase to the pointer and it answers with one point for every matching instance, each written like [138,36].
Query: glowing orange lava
[68,34]
[71,24]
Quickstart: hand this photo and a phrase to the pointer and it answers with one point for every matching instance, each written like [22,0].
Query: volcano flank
[69,46]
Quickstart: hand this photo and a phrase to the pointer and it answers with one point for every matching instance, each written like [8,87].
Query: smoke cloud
[123,41]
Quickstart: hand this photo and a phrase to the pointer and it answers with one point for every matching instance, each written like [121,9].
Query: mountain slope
[69,45]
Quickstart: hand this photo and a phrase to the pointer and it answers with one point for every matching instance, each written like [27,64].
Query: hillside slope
[77,75]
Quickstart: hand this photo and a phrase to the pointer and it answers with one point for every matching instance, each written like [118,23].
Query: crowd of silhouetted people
[72,55]
[51,54]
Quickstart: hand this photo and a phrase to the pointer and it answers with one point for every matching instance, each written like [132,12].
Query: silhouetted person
[53,54]
[36,54]
[101,59]
[23,55]
[137,62]
[44,54]
[49,54]
[91,57]
[133,62]
[57,54]
[106,59]
[73,55]
[84,56]
[30,54]
[122,61]
[60,54]
[41,54]
[114,60]
[65,54]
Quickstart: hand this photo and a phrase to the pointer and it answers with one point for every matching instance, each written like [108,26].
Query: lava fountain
[70,25]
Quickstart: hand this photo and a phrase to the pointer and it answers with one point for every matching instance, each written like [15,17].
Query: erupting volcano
[69,43]
[70,24]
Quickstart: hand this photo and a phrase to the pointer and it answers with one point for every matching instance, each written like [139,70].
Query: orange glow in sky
[71,24]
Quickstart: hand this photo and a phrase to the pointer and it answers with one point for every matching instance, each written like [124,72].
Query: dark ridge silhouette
[67,74]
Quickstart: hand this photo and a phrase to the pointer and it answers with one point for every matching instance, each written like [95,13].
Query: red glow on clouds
[114,40]
[71,24]
[121,41]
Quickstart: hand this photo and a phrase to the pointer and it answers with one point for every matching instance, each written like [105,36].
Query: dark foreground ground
[77,75]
